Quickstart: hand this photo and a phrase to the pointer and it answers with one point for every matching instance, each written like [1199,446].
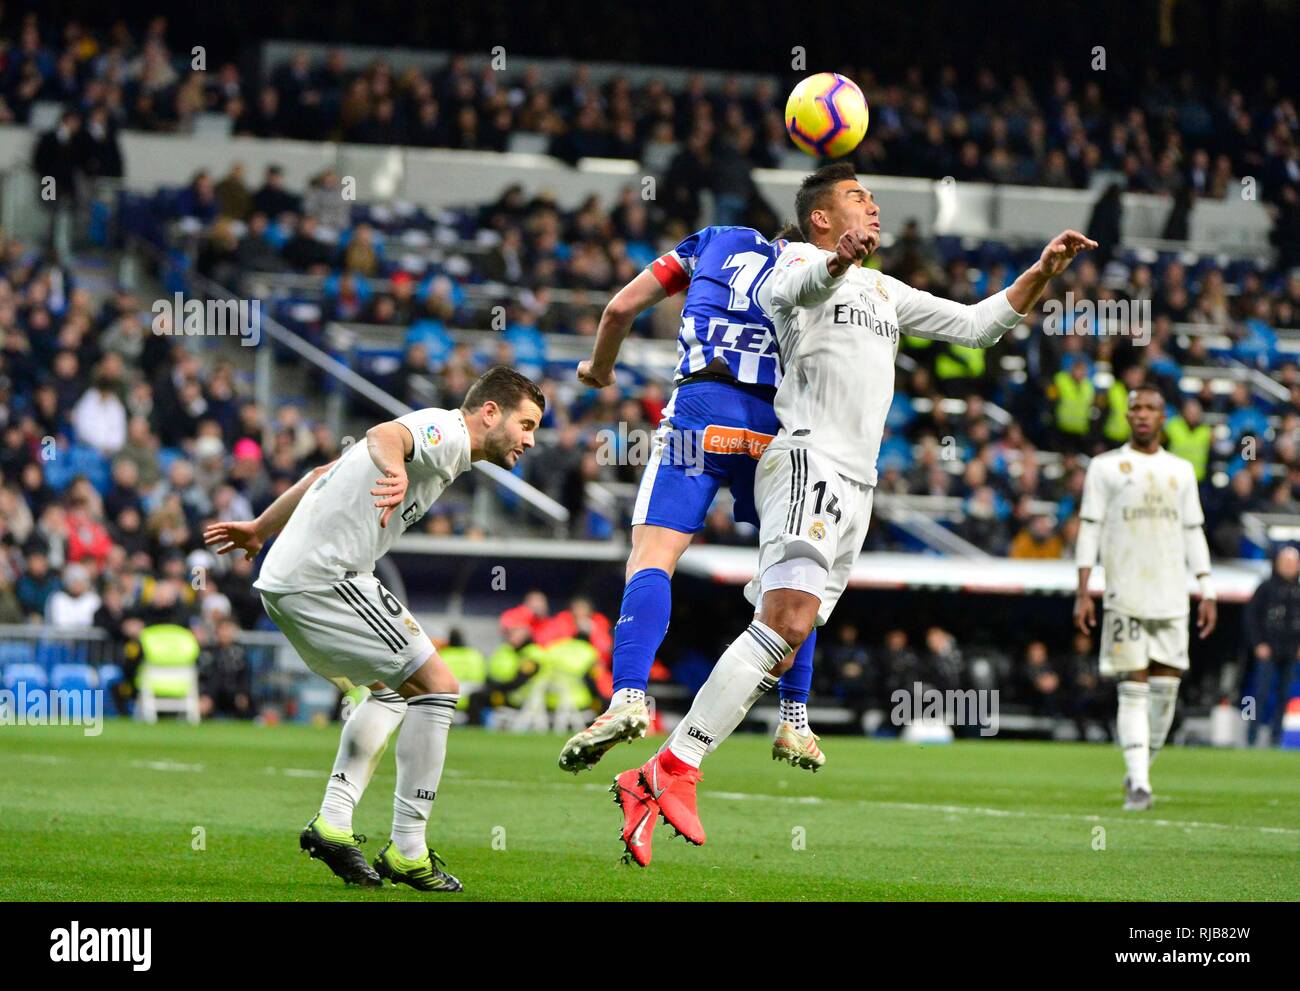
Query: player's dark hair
[790,232]
[1149,386]
[814,189]
[505,387]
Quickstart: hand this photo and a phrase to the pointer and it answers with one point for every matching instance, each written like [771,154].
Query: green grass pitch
[114,817]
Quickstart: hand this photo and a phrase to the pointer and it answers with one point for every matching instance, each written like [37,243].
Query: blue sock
[642,623]
[794,684]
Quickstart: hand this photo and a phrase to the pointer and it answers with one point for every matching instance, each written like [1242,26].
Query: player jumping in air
[319,587]
[837,325]
[716,426]
[1142,511]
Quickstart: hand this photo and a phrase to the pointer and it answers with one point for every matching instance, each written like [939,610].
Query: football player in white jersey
[837,326]
[318,585]
[1141,514]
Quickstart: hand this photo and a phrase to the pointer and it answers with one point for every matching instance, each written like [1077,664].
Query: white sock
[421,752]
[1134,730]
[764,686]
[796,714]
[1164,700]
[624,696]
[725,697]
[361,744]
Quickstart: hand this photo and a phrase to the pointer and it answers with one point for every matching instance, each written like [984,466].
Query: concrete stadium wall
[438,178]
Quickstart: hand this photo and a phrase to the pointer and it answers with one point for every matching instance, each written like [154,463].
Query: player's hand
[1085,613]
[1207,617]
[854,246]
[589,374]
[1061,250]
[235,535]
[390,490]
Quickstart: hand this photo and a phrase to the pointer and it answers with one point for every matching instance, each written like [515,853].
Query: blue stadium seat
[26,677]
[53,653]
[85,460]
[33,674]
[78,678]
[74,678]
[167,456]
[17,652]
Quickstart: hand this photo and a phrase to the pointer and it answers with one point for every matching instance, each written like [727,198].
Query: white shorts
[354,633]
[1132,644]
[807,511]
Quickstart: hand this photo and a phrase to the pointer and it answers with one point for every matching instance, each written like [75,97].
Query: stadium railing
[49,657]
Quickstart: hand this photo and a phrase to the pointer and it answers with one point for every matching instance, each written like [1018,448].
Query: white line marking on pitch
[740,796]
[166,765]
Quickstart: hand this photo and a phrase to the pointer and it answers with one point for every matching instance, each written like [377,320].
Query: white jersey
[1147,506]
[335,528]
[838,339]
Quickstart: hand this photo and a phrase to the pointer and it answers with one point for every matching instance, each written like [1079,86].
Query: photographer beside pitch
[837,326]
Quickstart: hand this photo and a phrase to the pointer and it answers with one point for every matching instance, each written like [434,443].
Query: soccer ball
[826,115]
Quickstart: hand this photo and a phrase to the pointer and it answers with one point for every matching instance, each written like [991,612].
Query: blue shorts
[712,434]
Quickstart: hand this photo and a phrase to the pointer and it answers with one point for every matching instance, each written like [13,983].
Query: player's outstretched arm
[628,303]
[1055,259]
[982,324]
[250,535]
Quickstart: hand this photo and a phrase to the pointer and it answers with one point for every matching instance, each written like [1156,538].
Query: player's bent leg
[329,836]
[361,745]
[431,694]
[760,652]
[795,741]
[642,623]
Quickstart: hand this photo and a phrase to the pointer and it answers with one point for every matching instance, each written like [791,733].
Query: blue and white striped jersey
[722,269]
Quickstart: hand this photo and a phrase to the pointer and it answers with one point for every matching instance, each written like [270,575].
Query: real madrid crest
[818,530]
[410,625]
[880,288]
[1125,467]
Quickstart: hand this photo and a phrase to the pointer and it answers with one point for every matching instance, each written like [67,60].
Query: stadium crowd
[1164,134]
[1068,400]
[117,444]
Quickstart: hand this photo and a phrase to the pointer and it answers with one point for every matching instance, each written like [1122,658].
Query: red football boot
[640,815]
[671,783]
